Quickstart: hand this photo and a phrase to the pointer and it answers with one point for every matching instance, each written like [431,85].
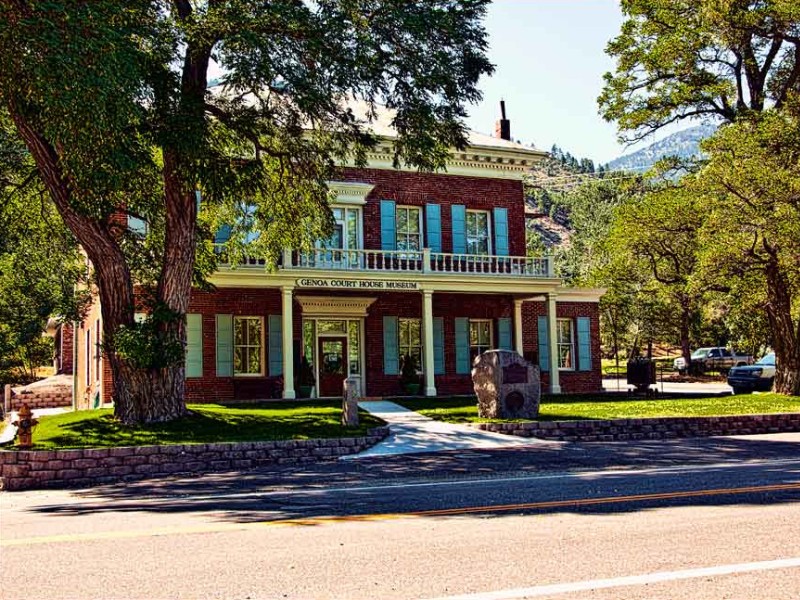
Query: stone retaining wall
[648,429]
[35,469]
[34,400]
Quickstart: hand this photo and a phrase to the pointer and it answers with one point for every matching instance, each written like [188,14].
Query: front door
[332,365]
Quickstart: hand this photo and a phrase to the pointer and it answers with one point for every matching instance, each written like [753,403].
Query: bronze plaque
[515,374]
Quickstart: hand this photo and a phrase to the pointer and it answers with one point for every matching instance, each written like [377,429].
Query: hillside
[685,144]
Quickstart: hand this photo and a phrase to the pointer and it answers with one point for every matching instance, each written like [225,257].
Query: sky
[549,59]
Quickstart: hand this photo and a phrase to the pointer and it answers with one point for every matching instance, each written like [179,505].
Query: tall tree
[113,102]
[678,59]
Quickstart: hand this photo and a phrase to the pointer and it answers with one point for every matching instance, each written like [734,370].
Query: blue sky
[549,58]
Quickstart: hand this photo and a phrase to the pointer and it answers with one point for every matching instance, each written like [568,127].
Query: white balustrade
[405,261]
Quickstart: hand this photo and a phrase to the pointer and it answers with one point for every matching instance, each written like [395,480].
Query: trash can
[641,373]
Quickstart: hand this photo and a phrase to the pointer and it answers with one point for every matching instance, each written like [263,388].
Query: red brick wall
[574,382]
[417,189]
[64,347]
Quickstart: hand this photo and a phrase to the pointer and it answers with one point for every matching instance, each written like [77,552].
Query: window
[97,350]
[480,337]
[408,220]
[88,356]
[248,345]
[409,341]
[566,346]
[478,234]
[346,230]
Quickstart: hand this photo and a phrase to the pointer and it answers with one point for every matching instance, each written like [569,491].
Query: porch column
[552,334]
[288,346]
[427,332]
[518,326]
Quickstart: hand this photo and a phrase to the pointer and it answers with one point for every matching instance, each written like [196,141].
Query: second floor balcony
[403,261]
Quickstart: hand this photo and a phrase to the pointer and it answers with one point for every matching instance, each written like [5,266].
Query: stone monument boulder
[507,385]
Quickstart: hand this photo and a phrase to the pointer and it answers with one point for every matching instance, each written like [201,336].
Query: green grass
[465,410]
[208,423]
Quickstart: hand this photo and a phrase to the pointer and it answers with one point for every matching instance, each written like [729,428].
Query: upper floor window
[480,337]
[409,228]
[478,232]
[346,230]
[248,346]
[566,344]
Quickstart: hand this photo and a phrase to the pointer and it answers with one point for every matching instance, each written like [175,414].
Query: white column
[288,346]
[518,326]
[427,333]
[555,384]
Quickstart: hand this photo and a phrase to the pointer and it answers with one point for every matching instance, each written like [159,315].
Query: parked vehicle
[759,376]
[712,359]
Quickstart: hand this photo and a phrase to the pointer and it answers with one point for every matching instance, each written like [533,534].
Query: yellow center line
[312,521]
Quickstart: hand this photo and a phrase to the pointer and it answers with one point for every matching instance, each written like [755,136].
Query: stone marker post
[350,402]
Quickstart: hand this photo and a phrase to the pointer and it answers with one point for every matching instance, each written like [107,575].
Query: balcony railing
[403,261]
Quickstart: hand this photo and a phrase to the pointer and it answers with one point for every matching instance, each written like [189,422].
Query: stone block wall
[648,429]
[36,469]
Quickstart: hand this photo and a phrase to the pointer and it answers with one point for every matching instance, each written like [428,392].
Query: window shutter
[462,346]
[458,214]
[544,345]
[501,231]
[223,234]
[275,345]
[224,345]
[198,199]
[433,221]
[584,344]
[137,225]
[504,334]
[388,226]
[194,345]
[438,346]
[391,360]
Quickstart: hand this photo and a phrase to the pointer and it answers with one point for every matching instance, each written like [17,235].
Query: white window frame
[345,226]
[401,346]
[490,345]
[408,208]
[488,231]
[261,343]
[570,345]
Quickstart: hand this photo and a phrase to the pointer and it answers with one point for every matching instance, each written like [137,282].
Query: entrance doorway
[332,365]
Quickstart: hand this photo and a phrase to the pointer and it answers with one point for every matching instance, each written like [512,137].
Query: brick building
[427,265]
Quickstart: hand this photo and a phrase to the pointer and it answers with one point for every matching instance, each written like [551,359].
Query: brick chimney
[502,128]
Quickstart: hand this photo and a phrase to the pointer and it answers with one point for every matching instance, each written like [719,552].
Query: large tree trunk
[785,333]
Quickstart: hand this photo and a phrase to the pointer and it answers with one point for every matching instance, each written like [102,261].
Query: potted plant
[305,379]
[409,377]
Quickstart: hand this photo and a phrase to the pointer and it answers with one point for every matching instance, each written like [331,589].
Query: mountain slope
[684,144]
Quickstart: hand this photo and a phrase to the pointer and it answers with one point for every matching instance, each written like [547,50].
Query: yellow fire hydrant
[25,424]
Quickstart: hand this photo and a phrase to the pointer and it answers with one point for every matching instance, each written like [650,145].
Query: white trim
[419,210]
[362,376]
[334,307]
[469,334]
[571,322]
[350,192]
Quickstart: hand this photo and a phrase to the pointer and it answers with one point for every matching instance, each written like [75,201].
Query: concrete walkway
[412,433]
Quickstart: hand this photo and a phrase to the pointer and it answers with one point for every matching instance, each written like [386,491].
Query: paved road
[713,518]
[671,387]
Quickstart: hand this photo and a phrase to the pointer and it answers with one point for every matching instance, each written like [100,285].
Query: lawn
[464,409]
[208,423]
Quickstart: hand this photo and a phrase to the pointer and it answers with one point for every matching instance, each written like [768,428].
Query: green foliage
[149,343]
[678,59]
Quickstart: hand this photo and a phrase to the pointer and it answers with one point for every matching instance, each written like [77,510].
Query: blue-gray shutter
[137,225]
[194,345]
[275,348]
[198,199]
[433,221]
[223,234]
[462,346]
[438,346]
[501,231]
[584,344]
[504,334]
[391,359]
[544,345]
[458,215]
[388,226]
[224,345]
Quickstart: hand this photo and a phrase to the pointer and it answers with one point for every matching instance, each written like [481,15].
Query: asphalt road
[705,518]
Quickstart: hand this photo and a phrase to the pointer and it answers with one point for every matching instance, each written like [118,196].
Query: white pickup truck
[712,359]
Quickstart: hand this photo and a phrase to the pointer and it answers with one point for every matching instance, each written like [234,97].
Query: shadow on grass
[354,489]
[204,425]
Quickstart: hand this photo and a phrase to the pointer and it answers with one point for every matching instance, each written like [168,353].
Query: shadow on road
[348,490]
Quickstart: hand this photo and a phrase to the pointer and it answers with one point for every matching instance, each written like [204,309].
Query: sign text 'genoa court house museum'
[427,265]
